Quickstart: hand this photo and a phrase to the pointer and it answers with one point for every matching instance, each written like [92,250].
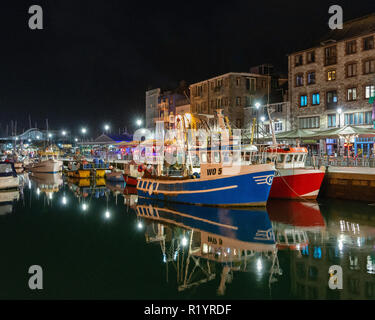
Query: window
[303,101]
[278,126]
[369,92]
[310,57]
[351,70]
[369,67]
[368,117]
[331,75]
[279,108]
[238,82]
[299,80]
[351,47]
[357,118]
[251,84]
[238,101]
[331,120]
[330,56]
[238,123]
[351,94]
[309,123]
[263,83]
[331,98]
[368,43]
[249,101]
[299,60]
[315,99]
[311,77]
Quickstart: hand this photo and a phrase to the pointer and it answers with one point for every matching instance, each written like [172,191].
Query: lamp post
[139,122]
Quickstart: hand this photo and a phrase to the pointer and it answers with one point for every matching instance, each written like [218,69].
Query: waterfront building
[161,105]
[331,83]
[237,93]
[231,92]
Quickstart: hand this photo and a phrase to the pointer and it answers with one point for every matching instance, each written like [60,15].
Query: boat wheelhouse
[293,180]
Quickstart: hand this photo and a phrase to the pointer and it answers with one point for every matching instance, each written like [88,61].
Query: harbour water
[97,241]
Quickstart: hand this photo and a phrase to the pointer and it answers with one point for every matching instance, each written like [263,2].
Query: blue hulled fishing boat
[216,186]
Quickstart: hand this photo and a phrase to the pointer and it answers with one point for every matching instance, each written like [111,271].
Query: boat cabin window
[203,157]
[6,168]
[300,158]
[216,157]
[296,156]
[289,158]
[280,158]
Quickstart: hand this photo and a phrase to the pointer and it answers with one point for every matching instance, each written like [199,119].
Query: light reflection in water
[286,250]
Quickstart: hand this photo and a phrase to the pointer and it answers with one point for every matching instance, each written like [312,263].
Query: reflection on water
[110,244]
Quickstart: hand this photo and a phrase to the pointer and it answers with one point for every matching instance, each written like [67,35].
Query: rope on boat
[303,199]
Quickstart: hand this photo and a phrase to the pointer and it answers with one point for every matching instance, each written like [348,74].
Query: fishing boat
[219,178]
[115,175]
[82,169]
[47,163]
[130,181]
[76,170]
[293,180]
[8,176]
[216,186]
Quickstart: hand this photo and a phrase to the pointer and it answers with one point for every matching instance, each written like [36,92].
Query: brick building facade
[231,92]
[331,83]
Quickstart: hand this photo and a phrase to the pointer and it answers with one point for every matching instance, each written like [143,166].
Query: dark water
[120,247]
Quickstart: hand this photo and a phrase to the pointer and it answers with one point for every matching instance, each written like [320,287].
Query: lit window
[369,91]
[331,75]
[315,99]
[303,102]
[352,94]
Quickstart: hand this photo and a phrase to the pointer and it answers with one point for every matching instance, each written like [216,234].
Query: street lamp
[106,127]
[139,122]
[63,133]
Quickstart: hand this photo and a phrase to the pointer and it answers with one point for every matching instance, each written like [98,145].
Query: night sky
[94,60]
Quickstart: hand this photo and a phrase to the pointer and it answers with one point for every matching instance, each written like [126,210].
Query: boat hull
[49,166]
[130,181]
[297,184]
[115,177]
[250,188]
[80,174]
[9,182]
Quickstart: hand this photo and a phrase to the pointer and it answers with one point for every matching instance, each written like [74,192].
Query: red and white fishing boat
[293,180]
